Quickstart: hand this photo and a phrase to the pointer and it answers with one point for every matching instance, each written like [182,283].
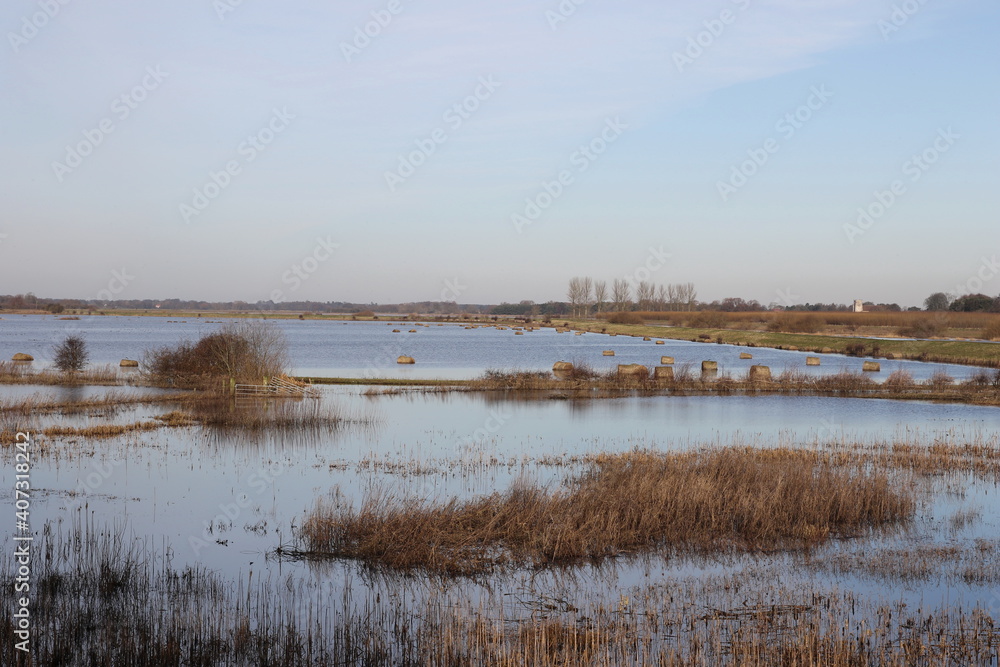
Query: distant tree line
[587,296]
[968,303]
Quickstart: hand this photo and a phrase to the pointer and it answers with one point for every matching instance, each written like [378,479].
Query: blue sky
[252,150]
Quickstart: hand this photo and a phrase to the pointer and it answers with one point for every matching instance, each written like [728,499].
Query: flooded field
[370,349]
[208,521]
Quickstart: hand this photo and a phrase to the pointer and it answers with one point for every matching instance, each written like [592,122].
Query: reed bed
[106,599]
[12,372]
[98,431]
[625,504]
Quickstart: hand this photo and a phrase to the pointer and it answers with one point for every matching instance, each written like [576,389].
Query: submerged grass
[626,504]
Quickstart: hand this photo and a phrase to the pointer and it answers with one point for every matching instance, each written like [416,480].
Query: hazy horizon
[778,151]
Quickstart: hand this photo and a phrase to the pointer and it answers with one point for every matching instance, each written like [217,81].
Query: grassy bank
[972,353]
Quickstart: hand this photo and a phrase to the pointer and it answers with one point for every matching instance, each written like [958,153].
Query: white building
[859,306]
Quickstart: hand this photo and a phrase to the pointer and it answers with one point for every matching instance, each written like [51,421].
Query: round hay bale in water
[760,374]
[792,348]
[871,367]
[413,331]
[647,338]
[518,333]
[746,355]
[663,372]
[609,353]
[562,366]
[397,330]
[812,361]
[893,355]
[666,360]
[406,360]
[129,363]
[661,342]
[21,356]
[709,365]
[633,370]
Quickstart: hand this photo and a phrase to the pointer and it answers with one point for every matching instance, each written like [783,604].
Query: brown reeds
[626,504]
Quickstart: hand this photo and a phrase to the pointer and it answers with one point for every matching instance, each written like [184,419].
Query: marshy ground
[698,522]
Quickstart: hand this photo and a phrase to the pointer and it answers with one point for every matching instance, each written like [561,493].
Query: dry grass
[24,373]
[629,503]
[101,430]
[792,322]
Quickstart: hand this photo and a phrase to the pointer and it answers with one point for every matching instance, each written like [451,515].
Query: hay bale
[871,367]
[746,355]
[21,356]
[646,338]
[893,355]
[129,363]
[760,374]
[406,360]
[709,366]
[518,333]
[792,348]
[827,350]
[397,330]
[812,361]
[413,331]
[579,333]
[633,370]
[663,373]
[608,353]
[661,342]
[666,360]
[562,366]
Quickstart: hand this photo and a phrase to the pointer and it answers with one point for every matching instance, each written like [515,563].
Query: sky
[399,150]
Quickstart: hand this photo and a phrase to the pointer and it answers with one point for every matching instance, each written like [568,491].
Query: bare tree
[661,298]
[600,294]
[588,288]
[575,294]
[621,294]
[645,292]
[71,354]
[687,295]
[673,301]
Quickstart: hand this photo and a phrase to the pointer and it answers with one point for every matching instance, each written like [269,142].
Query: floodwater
[224,500]
[370,349]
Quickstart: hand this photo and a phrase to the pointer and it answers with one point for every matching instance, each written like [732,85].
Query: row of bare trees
[587,295]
